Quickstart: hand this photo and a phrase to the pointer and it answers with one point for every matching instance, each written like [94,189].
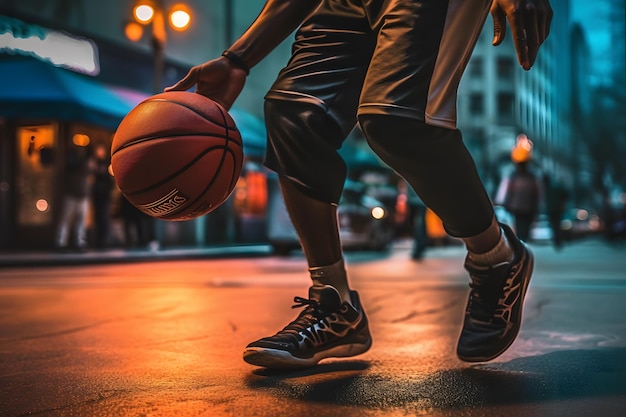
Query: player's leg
[408,114]
[309,112]
[437,165]
[332,323]
[304,141]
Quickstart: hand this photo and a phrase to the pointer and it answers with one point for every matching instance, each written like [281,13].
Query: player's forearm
[277,20]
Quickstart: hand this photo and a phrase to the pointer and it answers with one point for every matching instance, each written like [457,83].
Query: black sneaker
[325,328]
[494,309]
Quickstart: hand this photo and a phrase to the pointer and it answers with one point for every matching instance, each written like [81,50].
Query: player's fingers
[531,34]
[545,20]
[517,22]
[533,42]
[499,24]
[537,20]
[187,82]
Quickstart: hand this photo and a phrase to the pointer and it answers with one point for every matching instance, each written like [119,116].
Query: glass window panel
[36,147]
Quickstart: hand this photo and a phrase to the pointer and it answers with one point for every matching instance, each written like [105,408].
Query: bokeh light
[180,17]
[144,13]
[42,205]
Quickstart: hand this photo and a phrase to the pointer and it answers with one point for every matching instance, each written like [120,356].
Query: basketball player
[393,66]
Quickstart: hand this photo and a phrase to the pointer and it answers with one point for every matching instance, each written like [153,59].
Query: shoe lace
[301,302]
[307,317]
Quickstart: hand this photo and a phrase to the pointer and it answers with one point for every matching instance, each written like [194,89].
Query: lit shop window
[35,174]
[251,192]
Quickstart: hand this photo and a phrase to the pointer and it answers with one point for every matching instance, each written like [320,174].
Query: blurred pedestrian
[420,233]
[522,195]
[139,228]
[72,222]
[418,211]
[614,218]
[410,218]
[555,199]
[101,195]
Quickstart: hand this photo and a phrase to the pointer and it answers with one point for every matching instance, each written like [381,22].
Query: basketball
[177,155]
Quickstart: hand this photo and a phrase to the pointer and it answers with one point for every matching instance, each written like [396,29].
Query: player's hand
[216,79]
[530,23]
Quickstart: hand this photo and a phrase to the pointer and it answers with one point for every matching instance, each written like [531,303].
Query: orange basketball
[177,155]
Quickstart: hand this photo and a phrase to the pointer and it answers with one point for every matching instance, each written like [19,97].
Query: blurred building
[582,163]
[498,101]
[83,87]
[600,103]
[69,74]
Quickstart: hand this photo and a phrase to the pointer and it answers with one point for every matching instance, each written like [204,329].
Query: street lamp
[152,12]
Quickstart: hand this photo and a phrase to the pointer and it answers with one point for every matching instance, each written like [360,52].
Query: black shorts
[397,57]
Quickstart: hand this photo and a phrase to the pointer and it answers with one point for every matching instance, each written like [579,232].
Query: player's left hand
[530,23]
[217,79]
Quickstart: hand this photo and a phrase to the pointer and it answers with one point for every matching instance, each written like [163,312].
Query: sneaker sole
[515,330]
[274,358]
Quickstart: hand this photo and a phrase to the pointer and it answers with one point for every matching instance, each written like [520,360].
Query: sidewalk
[119,255]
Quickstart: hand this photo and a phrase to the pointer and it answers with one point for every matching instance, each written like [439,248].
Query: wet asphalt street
[164,338]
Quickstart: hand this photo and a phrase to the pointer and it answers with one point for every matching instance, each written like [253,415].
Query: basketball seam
[224,124]
[183,169]
[209,185]
[226,148]
[166,135]
[220,165]
[193,110]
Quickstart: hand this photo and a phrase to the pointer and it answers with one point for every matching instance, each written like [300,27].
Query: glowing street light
[151,12]
[180,17]
[143,13]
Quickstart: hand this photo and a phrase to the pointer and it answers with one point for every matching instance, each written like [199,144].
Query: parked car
[579,222]
[365,222]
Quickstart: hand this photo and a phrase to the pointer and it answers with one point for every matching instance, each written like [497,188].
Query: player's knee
[373,127]
[399,137]
[303,139]
[391,137]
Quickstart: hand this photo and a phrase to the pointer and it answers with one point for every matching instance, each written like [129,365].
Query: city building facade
[69,76]
[497,102]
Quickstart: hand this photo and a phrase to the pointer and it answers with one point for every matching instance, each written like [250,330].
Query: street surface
[166,338]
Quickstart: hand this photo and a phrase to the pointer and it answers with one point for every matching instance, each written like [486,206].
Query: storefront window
[250,197]
[250,203]
[36,146]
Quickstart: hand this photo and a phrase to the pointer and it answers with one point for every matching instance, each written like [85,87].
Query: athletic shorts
[395,57]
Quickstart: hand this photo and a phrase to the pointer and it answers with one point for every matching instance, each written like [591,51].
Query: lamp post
[153,13]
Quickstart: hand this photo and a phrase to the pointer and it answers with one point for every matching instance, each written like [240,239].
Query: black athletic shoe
[494,310]
[325,328]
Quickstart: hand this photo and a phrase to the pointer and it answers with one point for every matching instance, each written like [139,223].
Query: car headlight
[566,224]
[377,212]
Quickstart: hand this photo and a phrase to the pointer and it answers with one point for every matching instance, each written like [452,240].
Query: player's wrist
[236,61]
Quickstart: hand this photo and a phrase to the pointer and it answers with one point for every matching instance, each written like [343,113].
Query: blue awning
[30,88]
[253,132]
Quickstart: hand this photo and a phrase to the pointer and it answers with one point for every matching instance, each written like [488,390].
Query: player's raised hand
[217,79]
[530,24]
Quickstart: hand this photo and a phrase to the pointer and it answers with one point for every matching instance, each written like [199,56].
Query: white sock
[502,252]
[333,275]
